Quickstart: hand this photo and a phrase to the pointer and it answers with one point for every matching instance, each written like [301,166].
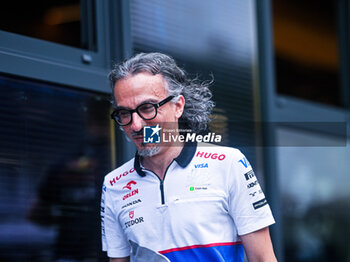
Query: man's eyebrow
[121,107]
[151,100]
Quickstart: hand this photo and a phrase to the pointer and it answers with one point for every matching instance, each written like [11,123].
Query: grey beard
[149,151]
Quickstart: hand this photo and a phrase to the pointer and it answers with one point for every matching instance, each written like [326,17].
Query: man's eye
[146,108]
[123,114]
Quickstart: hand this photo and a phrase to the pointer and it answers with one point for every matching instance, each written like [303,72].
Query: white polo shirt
[208,198]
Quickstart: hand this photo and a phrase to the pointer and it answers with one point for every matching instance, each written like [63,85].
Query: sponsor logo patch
[132,203]
[249,175]
[132,193]
[204,165]
[134,222]
[252,184]
[260,203]
[252,194]
[129,185]
[244,162]
[194,188]
[210,155]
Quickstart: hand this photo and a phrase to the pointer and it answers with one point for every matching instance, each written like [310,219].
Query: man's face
[141,88]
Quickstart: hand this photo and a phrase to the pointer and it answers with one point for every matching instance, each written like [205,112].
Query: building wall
[53,66]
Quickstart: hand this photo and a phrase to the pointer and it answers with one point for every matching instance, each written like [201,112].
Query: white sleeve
[113,237]
[247,203]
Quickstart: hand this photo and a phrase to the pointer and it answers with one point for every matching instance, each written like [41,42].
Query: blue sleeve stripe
[225,252]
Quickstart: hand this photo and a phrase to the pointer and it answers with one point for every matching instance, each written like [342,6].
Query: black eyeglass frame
[131,111]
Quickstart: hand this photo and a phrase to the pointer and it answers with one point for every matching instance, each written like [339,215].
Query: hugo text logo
[115,179]
[129,184]
[210,155]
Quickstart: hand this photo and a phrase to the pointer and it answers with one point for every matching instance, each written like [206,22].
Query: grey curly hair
[198,97]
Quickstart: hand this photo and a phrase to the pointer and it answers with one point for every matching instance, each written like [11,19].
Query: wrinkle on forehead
[135,89]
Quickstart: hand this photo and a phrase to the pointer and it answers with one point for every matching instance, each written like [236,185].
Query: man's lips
[137,137]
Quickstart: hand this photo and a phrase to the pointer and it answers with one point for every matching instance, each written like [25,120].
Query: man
[180,201]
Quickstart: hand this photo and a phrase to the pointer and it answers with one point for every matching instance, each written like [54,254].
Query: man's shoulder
[117,174]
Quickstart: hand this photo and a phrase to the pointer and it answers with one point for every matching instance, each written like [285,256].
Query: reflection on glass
[62,22]
[315,184]
[55,149]
[207,37]
[306,50]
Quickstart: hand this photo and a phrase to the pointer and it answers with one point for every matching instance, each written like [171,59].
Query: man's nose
[137,122]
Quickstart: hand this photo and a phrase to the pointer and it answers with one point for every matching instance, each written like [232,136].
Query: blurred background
[281,86]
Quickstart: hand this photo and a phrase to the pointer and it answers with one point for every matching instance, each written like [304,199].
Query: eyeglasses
[146,111]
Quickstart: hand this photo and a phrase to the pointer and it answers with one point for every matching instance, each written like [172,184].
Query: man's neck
[160,162]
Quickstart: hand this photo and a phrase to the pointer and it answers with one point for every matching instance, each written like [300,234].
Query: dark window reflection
[315,197]
[64,22]
[306,49]
[55,149]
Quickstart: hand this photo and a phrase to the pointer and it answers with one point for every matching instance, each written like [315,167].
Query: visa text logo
[204,165]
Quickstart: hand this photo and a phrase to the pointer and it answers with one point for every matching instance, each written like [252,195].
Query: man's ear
[180,105]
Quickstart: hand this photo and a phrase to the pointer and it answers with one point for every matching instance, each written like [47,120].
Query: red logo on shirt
[132,193]
[115,179]
[131,214]
[128,185]
[210,155]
